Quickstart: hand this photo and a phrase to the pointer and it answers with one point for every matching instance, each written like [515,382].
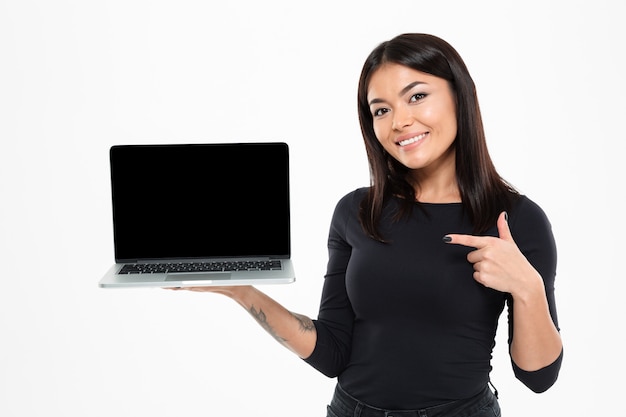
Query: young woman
[422,262]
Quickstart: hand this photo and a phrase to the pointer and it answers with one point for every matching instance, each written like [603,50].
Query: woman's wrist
[530,288]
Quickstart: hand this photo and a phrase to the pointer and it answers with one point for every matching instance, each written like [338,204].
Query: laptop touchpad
[198,277]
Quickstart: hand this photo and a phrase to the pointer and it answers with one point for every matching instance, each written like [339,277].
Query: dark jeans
[484,404]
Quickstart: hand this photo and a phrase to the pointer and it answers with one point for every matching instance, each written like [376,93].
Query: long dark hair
[484,194]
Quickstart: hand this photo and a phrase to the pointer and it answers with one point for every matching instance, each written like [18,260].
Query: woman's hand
[498,262]
[233,291]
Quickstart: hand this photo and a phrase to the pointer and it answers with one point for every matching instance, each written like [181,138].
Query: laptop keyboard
[217,266]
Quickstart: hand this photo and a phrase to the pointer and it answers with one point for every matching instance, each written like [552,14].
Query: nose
[401,118]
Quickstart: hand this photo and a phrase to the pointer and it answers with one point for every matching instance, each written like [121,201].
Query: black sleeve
[542,379]
[532,232]
[335,319]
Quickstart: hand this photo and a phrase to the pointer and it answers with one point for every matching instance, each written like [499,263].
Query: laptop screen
[200,201]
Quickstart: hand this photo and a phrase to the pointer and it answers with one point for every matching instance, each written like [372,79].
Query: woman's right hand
[231,291]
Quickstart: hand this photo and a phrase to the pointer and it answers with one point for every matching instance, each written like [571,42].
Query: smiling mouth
[414,139]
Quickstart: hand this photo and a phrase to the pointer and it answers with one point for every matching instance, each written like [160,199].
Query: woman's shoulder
[525,212]
[353,196]
[351,201]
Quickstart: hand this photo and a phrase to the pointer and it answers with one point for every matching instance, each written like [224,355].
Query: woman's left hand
[498,262]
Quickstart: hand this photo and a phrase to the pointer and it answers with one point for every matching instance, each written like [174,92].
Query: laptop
[200,214]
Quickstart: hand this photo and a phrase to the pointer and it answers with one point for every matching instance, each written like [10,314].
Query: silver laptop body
[200,214]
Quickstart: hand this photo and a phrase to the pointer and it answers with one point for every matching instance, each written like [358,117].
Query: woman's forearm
[536,341]
[294,331]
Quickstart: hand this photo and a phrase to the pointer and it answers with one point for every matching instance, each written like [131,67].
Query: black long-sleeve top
[403,324]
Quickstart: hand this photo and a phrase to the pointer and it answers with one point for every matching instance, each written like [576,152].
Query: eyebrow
[402,92]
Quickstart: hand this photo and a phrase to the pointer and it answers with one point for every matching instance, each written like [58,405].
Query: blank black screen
[200,200]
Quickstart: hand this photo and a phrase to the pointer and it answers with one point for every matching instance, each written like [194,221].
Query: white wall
[77,76]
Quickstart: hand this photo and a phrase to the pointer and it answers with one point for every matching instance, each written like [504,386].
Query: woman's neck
[437,185]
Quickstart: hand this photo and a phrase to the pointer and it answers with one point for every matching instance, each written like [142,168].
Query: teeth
[412,140]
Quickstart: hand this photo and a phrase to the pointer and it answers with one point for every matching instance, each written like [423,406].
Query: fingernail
[447,239]
[506,216]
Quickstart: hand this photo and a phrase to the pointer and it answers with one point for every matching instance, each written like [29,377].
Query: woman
[422,263]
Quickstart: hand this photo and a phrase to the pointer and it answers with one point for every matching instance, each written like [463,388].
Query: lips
[411,140]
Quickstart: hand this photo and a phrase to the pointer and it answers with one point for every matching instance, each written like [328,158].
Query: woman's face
[414,116]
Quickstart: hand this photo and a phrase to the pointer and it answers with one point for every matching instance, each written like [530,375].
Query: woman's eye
[417,97]
[380,112]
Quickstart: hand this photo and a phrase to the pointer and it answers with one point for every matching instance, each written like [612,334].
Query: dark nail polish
[506,216]
[447,239]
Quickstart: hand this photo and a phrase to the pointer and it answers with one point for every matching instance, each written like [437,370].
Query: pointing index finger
[466,240]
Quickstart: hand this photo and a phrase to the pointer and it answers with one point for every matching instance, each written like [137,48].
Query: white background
[79,76]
